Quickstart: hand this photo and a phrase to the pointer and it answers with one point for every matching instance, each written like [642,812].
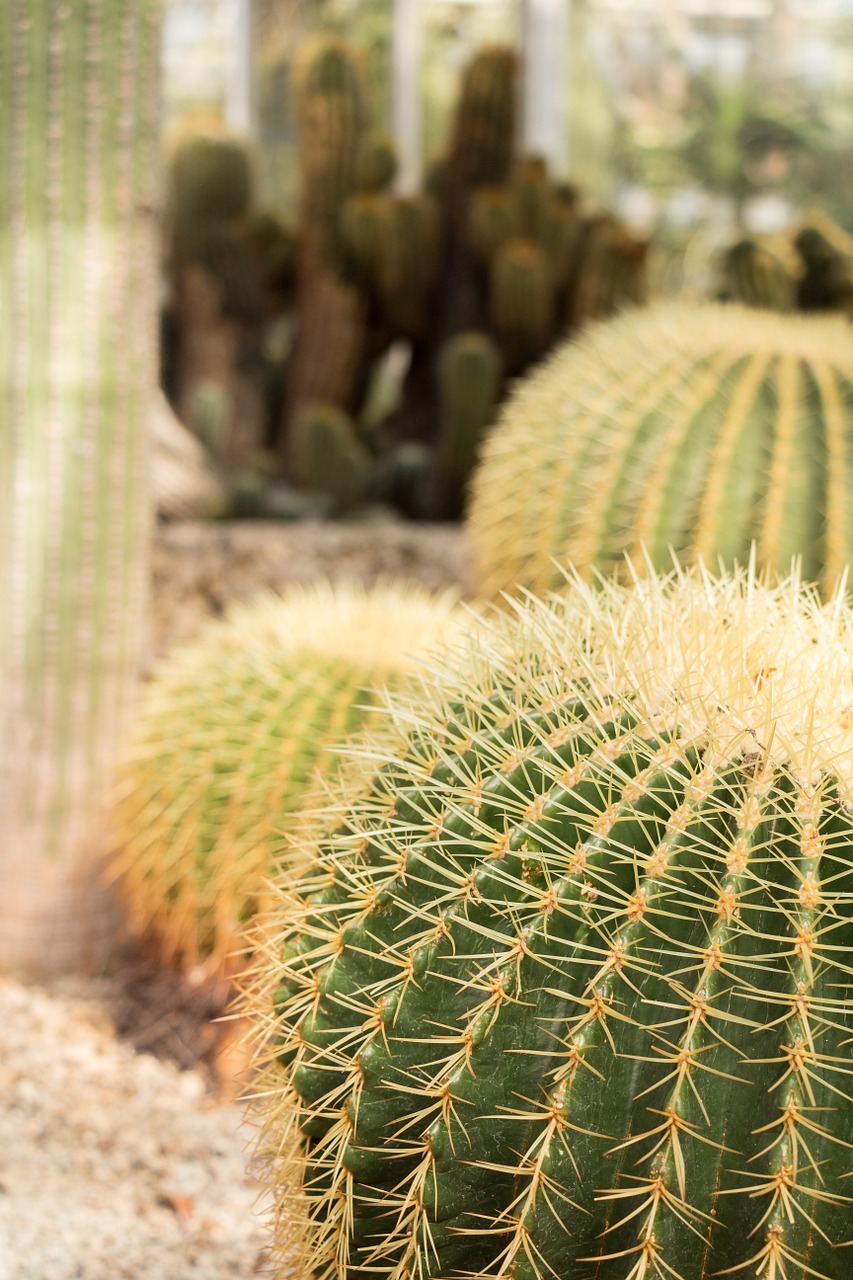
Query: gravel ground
[114,1165]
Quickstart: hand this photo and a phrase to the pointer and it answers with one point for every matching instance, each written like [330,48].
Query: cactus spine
[78,129]
[692,428]
[567,995]
[469,378]
[226,746]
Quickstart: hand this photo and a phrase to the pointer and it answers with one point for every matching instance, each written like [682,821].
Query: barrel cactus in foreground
[568,992]
[696,428]
[229,741]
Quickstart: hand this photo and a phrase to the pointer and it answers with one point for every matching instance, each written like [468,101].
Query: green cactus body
[377,164]
[567,994]
[611,271]
[693,428]
[364,223]
[483,138]
[826,251]
[328,456]
[409,263]
[531,192]
[78,366]
[521,303]
[469,378]
[560,237]
[210,181]
[492,220]
[332,118]
[230,738]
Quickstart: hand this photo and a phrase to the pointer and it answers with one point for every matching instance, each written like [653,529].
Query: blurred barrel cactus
[228,743]
[696,429]
[567,994]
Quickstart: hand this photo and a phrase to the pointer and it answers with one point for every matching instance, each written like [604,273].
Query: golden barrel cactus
[693,429]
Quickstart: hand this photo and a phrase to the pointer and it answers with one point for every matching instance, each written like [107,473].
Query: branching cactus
[692,428]
[568,992]
[231,737]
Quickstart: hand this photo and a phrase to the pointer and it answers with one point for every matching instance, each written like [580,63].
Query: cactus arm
[723,507]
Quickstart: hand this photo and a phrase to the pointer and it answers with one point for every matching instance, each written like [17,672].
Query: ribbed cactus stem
[694,429]
[469,377]
[567,993]
[521,302]
[78,166]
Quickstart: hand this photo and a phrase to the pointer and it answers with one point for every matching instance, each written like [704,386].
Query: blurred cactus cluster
[349,362]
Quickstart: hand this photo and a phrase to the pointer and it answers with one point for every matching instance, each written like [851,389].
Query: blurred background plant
[375,178]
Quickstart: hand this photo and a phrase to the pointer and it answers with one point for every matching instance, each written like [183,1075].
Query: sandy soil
[114,1165]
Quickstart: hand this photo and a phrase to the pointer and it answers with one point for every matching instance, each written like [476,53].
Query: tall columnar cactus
[469,378]
[232,735]
[567,994]
[483,137]
[492,220]
[692,428]
[78,174]
[409,264]
[377,163]
[521,303]
[332,119]
[531,192]
[328,456]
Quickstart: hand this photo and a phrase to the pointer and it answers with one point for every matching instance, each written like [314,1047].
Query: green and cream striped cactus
[78,364]
[689,428]
[332,120]
[232,735]
[567,995]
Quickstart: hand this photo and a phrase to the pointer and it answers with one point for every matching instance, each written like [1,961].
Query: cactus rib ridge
[567,993]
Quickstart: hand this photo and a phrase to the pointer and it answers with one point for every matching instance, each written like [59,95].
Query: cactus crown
[567,993]
[698,429]
[232,733]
